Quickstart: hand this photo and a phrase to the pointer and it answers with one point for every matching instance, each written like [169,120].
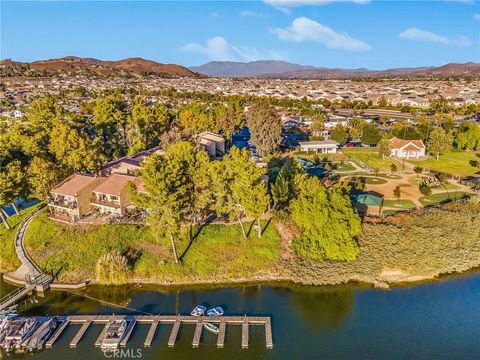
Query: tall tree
[371,134]
[248,190]
[145,125]
[168,185]
[439,142]
[42,177]
[339,134]
[109,116]
[384,148]
[330,224]
[74,151]
[265,127]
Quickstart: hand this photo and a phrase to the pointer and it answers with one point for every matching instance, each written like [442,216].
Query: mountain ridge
[283,69]
[75,64]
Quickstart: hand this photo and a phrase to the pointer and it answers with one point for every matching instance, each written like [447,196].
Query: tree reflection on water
[323,309]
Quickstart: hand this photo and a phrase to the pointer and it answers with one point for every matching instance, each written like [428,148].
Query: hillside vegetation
[401,248]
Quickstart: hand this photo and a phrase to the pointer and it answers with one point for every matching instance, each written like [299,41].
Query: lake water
[438,320]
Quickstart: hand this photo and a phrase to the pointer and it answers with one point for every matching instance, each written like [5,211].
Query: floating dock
[155,320]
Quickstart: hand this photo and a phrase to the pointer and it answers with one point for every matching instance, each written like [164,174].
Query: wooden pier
[151,334]
[155,320]
[80,334]
[56,335]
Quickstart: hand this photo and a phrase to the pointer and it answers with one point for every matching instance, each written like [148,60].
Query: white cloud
[422,35]
[476,16]
[305,29]
[248,13]
[220,49]
[215,14]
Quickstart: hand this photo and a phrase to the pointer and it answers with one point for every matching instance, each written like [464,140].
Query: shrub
[112,269]
[425,189]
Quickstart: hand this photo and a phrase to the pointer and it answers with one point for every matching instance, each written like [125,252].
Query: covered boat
[114,334]
[41,334]
[17,331]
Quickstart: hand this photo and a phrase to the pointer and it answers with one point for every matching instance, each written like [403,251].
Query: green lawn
[455,162]
[370,180]
[218,253]
[371,157]
[8,257]
[440,198]
[344,167]
[401,204]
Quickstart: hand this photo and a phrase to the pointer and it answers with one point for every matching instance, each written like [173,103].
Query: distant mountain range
[72,65]
[75,65]
[282,69]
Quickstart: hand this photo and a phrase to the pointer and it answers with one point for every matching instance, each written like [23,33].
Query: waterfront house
[407,149]
[112,196]
[322,147]
[70,200]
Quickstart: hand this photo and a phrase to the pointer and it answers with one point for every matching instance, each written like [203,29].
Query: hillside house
[112,196]
[70,200]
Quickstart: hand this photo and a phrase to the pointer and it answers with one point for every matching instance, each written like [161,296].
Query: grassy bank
[217,253]
[8,258]
[402,248]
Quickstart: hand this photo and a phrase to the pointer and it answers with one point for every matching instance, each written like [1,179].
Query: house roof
[114,184]
[396,143]
[211,136]
[325,143]
[73,184]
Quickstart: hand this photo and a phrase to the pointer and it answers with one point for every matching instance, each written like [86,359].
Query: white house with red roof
[407,149]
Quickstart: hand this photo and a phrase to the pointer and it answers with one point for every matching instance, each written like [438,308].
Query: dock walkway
[176,320]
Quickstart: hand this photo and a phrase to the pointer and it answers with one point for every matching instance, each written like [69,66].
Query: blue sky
[332,33]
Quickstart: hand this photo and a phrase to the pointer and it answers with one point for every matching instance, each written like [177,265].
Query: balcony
[63,203]
[105,203]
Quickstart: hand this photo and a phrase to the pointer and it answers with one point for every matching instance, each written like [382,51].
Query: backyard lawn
[455,162]
[371,157]
[218,253]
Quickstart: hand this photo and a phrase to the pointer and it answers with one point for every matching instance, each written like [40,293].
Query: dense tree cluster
[326,216]
[184,185]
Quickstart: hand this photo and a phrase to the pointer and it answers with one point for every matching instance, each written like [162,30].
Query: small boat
[114,334]
[42,334]
[210,327]
[216,311]
[198,311]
